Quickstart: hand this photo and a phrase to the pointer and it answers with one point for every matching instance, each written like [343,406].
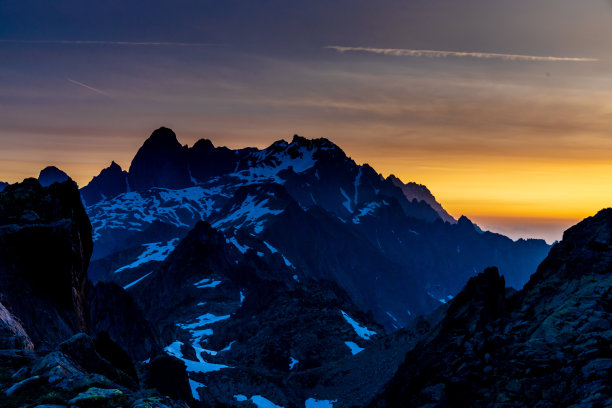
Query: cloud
[91,88]
[121,43]
[401,52]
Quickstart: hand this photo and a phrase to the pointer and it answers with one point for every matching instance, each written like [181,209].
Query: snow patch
[293,363]
[393,317]
[199,366]
[241,248]
[287,262]
[361,331]
[194,386]
[271,248]
[347,203]
[355,349]
[251,212]
[155,251]
[357,183]
[367,209]
[136,281]
[315,403]
[207,283]
[203,320]
[258,400]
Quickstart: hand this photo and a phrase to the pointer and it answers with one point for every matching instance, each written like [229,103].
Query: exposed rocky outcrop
[45,245]
[114,314]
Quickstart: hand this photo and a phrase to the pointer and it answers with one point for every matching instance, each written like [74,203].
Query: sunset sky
[502,108]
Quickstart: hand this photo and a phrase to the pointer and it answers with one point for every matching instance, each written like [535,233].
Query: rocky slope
[243,324]
[547,345]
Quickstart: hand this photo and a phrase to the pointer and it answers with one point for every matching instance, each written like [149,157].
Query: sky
[502,108]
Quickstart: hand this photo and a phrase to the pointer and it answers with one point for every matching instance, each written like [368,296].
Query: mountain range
[390,245]
[287,277]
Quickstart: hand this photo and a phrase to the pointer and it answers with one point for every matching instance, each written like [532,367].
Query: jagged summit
[111,181]
[421,193]
[114,166]
[50,175]
[319,143]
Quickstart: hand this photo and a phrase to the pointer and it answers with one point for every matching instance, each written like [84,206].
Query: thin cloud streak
[91,88]
[123,43]
[401,52]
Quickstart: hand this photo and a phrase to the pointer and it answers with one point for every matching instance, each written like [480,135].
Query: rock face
[114,314]
[50,175]
[110,182]
[168,375]
[546,345]
[45,245]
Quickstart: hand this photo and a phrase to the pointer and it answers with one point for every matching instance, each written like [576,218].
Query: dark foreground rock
[48,307]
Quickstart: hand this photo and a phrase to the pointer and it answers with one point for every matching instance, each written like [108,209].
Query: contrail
[125,43]
[400,52]
[91,88]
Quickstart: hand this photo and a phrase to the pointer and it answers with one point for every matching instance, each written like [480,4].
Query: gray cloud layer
[401,52]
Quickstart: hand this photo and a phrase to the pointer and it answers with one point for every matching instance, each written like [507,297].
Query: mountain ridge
[314,181]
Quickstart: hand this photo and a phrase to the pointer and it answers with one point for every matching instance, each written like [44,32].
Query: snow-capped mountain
[326,216]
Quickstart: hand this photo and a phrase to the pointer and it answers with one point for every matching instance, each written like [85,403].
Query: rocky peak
[160,162]
[3,185]
[110,182]
[203,145]
[114,167]
[480,302]
[50,175]
[162,138]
